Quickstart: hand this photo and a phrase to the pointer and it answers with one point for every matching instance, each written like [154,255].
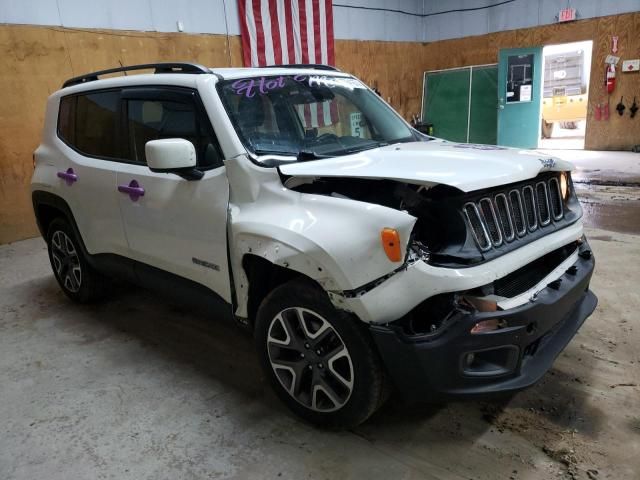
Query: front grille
[504,216]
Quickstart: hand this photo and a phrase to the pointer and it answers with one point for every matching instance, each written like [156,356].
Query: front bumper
[438,366]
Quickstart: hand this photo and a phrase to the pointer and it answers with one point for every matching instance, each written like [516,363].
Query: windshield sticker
[249,87]
[478,146]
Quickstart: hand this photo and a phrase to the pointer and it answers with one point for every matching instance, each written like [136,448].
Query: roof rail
[167,67]
[317,66]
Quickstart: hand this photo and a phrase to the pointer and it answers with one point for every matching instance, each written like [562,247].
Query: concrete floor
[564,138]
[137,388]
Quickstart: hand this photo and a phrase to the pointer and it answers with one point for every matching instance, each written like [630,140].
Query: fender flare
[39,197]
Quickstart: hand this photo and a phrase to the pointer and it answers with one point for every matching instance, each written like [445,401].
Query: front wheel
[321,363]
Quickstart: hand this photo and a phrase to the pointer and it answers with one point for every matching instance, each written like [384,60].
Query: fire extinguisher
[610,77]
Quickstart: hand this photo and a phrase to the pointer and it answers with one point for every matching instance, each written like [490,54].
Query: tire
[78,280]
[321,362]
[569,125]
[547,129]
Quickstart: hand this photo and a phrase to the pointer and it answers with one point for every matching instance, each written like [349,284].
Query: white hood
[467,167]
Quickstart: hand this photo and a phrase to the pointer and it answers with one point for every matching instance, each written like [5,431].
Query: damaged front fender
[334,241]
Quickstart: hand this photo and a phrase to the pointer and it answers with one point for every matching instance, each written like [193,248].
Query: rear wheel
[78,280]
[321,363]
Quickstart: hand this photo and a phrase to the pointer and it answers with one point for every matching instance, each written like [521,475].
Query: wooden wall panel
[34,61]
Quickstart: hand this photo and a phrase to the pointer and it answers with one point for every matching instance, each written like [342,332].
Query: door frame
[536,93]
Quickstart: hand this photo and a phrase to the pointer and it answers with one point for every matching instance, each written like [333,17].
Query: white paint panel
[206,17]
[39,12]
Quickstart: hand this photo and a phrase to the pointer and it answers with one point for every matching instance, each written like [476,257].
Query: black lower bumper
[456,363]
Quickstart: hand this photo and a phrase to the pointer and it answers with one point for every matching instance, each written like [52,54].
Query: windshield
[310,116]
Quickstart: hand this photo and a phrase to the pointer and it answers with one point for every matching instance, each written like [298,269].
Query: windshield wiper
[265,151]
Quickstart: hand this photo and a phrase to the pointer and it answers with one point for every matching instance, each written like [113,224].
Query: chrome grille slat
[555,199]
[518,212]
[504,215]
[491,221]
[477,226]
[529,202]
[515,213]
[542,203]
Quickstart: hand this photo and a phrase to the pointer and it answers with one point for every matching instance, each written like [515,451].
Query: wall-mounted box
[631,65]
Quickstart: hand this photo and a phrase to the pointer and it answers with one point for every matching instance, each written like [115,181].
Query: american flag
[279,32]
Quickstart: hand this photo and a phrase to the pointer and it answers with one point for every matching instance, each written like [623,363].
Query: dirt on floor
[139,388]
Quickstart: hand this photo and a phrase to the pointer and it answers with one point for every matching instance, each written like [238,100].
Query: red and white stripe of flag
[279,32]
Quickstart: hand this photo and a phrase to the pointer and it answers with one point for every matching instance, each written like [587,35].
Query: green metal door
[519,91]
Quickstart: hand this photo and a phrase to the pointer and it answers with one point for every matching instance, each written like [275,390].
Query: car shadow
[222,351]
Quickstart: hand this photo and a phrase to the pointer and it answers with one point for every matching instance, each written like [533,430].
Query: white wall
[359,24]
[208,16]
[203,16]
[197,16]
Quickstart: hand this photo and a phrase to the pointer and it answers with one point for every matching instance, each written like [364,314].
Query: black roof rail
[166,67]
[317,66]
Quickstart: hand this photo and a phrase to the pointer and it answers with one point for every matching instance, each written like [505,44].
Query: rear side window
[89,123]
[154,119]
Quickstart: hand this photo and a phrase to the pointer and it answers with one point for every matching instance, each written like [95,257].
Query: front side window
[89,123]
[315,115]
[151,119]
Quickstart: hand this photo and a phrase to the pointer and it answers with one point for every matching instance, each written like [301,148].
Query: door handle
[69,176]
[134,190]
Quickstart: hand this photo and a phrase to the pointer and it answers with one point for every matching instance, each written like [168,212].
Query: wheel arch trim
[41,198]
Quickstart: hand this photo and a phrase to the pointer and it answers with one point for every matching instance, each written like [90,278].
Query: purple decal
[250,86]
[134,190]
[69,176]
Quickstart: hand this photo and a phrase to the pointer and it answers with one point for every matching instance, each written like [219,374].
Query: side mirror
[173,155]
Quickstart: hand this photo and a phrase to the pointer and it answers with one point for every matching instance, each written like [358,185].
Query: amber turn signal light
[391,244]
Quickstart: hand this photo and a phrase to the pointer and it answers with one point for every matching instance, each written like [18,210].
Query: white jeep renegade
[362,254]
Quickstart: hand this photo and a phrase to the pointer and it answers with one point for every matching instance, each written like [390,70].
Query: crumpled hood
[467,167]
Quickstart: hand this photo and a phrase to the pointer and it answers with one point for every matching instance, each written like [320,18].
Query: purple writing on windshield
[249,87]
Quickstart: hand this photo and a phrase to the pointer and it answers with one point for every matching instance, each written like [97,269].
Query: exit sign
[567,15]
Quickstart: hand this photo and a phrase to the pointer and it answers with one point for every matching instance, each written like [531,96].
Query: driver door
[173,224]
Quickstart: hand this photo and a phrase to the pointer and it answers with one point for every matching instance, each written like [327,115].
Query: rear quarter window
[89,123]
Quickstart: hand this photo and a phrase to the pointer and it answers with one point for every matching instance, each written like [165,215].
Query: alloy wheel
[65,261]
[310,359]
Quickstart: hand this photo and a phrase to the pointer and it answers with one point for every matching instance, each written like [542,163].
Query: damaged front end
[479,305]
[473,343]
